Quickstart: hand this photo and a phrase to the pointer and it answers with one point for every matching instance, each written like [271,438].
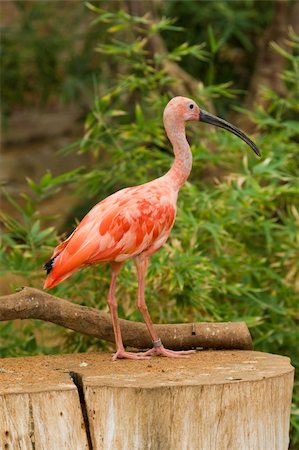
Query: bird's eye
[191,106]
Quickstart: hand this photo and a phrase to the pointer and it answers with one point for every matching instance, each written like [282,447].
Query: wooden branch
[31,303]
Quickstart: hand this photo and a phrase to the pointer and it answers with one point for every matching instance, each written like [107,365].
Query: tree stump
[226,400]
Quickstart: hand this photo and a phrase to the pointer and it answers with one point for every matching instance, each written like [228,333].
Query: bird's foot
[162,351]
[122,354]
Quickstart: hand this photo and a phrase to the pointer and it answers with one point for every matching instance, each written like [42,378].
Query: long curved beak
[206,117]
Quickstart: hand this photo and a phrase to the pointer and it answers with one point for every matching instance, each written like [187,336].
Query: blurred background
[83,87]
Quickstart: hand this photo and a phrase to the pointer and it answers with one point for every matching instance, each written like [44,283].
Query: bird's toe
[122,354]
[162,351]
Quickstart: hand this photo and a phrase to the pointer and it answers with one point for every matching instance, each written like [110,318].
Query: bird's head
[181,109]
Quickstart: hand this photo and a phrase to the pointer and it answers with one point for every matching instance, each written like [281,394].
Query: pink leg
[141,262]
[120,351]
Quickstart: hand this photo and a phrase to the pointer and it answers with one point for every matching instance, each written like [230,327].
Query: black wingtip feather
[49,265]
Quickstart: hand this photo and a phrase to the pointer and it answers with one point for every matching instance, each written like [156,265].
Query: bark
[32,303]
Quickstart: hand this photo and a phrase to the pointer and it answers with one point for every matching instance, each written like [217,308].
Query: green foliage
[234,250]
[231,35]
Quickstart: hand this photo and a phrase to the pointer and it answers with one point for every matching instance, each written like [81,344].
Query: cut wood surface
[31,303]
[228,400]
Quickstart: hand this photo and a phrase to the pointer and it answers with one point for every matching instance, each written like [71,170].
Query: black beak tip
[256,151]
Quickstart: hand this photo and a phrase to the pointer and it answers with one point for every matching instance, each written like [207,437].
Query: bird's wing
[151,223]
[123,225]
[78,248]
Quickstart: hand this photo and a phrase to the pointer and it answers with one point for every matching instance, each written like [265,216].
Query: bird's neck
[181,168]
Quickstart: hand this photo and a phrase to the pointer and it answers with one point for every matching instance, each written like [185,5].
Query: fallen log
[30,303]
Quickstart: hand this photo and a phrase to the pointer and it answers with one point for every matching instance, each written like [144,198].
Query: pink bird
[135,222]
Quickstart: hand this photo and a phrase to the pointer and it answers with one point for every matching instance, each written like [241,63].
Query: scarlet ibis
[135,222]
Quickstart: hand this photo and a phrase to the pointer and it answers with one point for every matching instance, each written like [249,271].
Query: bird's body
[134,223]
[136,220]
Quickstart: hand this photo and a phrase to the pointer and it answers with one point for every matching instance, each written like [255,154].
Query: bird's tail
[54,274]
[49,265]
[51,280]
